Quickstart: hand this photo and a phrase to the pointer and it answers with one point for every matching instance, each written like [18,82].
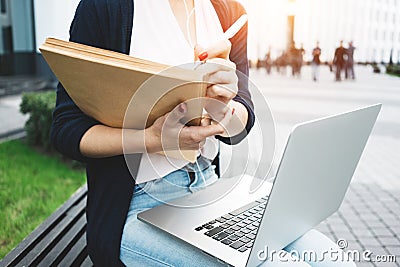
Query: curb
[13,134]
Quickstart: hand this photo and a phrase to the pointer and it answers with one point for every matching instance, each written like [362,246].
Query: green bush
[39,106]
[393,69]
[375,68]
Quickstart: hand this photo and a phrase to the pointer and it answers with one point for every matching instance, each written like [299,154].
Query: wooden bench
[59,241]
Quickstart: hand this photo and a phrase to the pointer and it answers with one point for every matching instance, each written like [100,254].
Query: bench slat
[77,255]
[64,245]
[87,262]
[47,242]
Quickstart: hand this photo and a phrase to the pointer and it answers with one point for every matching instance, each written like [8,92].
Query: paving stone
[358,225]
[396,228]
[323,228]
[386,264]
[375,224]
[340,227]
[369,241]
[388,216]
[377,250]
[363,232]
[382,232]
[365,264]
[389,241]
[348,235]
[392,223]
[369,217]
[348,214]
[355,221]
[354,245]
[393,250]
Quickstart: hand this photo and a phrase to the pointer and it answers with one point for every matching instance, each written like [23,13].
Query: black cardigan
[108,24]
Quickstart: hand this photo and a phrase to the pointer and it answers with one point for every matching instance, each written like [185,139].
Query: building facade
[24,26]
[372,25]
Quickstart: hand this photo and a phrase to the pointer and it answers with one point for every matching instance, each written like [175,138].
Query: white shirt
[157,36]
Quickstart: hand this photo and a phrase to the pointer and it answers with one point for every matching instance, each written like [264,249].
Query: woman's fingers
[198,49]
[176,114]
[221,93]
[205,121]
[217,64]
[219,49]
[223,77]
[196,134]
[225,64]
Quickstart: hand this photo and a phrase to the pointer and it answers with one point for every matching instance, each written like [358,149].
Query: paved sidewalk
[11,88]
[11,120]
[12,85]
[369,218]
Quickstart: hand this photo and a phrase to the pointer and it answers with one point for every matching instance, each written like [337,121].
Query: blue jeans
[144,245]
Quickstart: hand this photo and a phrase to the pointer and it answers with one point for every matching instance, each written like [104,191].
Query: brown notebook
[108,86]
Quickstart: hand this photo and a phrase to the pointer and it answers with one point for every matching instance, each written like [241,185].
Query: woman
[170,32]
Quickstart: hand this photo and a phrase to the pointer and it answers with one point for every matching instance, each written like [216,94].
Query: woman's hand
[222,81]
[222,88]
[168,133]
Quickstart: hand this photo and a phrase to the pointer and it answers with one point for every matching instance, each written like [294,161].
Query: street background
[370,215]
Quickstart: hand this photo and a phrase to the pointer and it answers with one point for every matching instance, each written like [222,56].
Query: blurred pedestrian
[300,58]
[350,62]
[268,61]
[296,59]
[281,63]
[339,60]
[315,62]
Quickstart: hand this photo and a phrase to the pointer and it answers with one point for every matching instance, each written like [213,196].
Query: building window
[384,36]
[383,55]
[376,35]
[3,6]
[392,37]
[377,15]
[394,18]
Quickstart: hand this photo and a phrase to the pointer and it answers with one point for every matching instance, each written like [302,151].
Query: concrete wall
[53,18]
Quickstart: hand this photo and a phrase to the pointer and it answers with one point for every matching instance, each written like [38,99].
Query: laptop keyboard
[236,229]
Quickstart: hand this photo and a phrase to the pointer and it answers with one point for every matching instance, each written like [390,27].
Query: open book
[122,91]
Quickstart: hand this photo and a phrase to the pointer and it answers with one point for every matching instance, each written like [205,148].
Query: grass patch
[393,70]
[394,74]
[32,186]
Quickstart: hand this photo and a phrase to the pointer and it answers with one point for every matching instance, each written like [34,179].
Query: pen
[235,28]
[228,34]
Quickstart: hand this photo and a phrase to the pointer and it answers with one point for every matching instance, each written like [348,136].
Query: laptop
[313,175]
